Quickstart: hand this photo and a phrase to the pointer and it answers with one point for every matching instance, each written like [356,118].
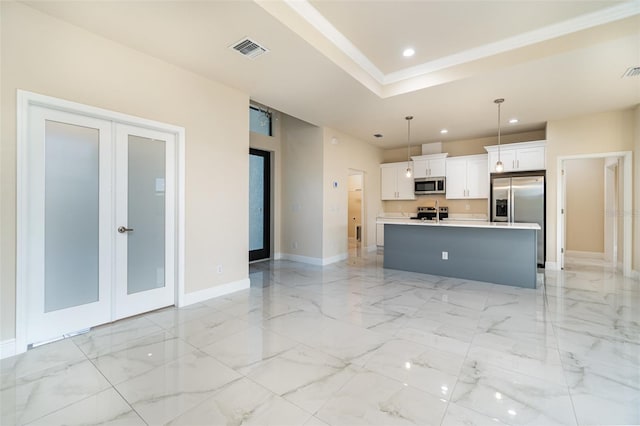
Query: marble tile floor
[351,344]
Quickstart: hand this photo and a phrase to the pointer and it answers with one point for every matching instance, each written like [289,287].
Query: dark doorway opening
[259,204]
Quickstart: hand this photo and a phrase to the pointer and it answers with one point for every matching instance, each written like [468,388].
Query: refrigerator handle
[511,210]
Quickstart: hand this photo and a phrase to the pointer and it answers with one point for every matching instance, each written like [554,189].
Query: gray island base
[500,255]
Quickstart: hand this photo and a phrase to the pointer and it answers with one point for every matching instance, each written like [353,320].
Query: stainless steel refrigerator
[520,197]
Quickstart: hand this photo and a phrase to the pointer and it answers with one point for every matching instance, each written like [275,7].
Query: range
[429,213]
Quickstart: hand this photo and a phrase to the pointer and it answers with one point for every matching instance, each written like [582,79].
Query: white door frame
[26,99]
[627,224]
[611,204]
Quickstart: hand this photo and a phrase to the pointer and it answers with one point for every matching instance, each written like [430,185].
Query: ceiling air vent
[631,72]
[249,48]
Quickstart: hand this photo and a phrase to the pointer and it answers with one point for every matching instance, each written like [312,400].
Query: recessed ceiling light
[408,52]
[513,121]
[444,131]
[377,135]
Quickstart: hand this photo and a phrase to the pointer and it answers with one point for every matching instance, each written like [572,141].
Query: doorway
[615,205]
[259,205]
[97,218]
[355,212]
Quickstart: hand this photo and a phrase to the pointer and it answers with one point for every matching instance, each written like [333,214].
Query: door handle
[123,229]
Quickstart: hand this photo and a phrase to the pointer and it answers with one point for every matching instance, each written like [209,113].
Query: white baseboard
[552,266]
[314,260]
[277,256]
[372,248]
[334,259]
[7,348]
[301,259]
[217,291]
[585,254]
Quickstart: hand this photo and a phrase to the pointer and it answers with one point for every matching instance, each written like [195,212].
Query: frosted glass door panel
[146,214]
[65,274]
[256,202]
[71,215]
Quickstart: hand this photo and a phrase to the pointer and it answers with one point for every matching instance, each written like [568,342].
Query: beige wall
[47,56]
[585,205]
[273,144]
[348,153]
[611,131]
[302,188]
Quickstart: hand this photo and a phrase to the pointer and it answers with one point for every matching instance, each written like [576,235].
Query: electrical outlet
[445,255]
[219,269]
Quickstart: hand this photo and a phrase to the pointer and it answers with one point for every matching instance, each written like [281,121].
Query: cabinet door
[388,186]
[508,158]
[405,184]
[530,158]
[477,178]
[420,168]
[437,168]
[456,178]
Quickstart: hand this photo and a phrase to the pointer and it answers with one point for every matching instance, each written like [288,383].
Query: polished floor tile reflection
[351,344]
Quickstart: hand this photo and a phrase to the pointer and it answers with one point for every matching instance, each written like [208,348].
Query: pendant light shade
[408,118]
[499,165]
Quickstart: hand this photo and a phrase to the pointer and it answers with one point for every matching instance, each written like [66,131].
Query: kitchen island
[501,253]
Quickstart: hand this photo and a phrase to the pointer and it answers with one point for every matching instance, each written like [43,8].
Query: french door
[100,222]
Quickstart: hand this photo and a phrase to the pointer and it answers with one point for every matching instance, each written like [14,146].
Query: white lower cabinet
[394,184]
[467,177]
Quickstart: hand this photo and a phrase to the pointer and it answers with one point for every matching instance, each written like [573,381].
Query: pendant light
[408,118]
[499,166]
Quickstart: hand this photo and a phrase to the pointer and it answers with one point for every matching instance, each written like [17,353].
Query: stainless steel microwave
[430,185]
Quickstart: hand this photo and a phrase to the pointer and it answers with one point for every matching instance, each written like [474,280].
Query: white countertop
[456,223]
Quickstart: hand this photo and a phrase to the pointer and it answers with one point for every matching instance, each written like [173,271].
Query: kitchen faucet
[437,212]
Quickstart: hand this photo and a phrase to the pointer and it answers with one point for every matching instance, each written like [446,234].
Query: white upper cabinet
[518,156]
[433,165]
[394,184]
[467,177]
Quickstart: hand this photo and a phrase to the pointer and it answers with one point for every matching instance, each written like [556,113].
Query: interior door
[144,220]
[68,223]
[100,223]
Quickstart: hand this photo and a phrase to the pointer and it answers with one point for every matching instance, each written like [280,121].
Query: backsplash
[475,206]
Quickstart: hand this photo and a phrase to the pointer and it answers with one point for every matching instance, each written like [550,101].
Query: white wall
[44,55]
